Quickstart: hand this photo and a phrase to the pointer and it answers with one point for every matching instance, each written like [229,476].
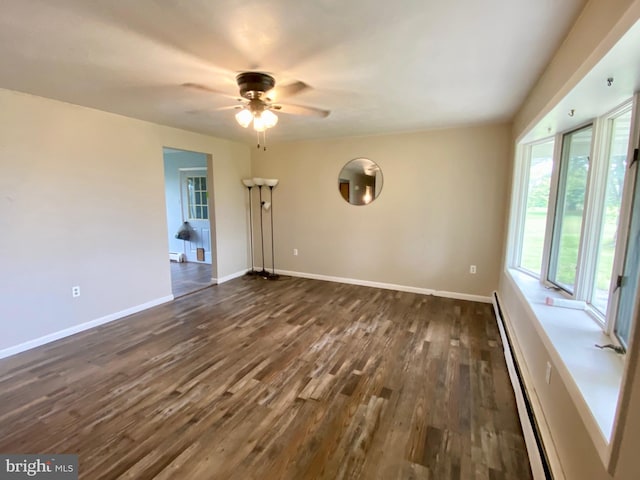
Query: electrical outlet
[472,269]
[75,291]
[295,252]
[547,375]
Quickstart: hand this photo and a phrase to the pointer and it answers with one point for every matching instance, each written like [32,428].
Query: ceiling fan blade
[284,91]
[300,110]
[209,110]
[230,107]
[204,88]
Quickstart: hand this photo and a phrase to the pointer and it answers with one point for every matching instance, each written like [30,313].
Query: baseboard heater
[176,257]
[538,457]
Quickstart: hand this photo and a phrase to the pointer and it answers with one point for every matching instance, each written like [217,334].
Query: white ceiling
[593,96]
[379,66]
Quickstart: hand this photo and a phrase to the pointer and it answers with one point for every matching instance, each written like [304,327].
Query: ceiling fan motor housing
[253,84]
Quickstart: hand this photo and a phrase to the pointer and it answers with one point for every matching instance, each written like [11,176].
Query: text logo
[45,466]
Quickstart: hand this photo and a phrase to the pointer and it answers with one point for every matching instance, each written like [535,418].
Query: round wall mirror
[360,181]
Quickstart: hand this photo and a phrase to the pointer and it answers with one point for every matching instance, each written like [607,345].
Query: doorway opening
[187,181]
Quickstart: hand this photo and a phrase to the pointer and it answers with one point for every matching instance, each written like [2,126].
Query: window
[197,198]
[616,166]
[570,203]
[539,167]
[631,271]
[570,210]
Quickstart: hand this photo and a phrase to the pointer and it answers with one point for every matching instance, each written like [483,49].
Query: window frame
[597,210]
[625,222]
[592,221]
[524,176]
[553,210]
[191,195]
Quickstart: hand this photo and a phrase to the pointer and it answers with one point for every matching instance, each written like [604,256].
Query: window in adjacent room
[198,208]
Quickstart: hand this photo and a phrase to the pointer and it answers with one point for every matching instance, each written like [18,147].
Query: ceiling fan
[260,98]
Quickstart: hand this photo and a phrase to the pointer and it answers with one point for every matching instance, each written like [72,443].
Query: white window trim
[551,208]
[522,171]
[592,216]
[625,219]
[581,367]
[551,215]
[594,212]
[516,230]
[596,401]
[603,149]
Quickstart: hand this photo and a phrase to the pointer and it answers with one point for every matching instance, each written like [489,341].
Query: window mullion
[522,180]
[594,204]
[551,209]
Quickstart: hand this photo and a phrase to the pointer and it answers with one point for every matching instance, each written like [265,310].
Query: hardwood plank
[189,277]
[291,379]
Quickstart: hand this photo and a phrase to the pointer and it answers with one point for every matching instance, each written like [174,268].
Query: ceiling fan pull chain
[258,135]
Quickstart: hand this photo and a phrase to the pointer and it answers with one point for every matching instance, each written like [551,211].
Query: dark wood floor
[189,277]
[290,379]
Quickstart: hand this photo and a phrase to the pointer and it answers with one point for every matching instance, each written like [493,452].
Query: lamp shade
[269,118]
[244,117]
[248,182]
[258,181]
[258,123]
[271,182]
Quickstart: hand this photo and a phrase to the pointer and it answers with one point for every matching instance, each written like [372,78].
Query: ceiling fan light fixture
[269,118]
[259,124]
[244,117]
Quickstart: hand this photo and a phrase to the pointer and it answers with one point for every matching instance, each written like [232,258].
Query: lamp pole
[273,275]
[262,272]
[249,184]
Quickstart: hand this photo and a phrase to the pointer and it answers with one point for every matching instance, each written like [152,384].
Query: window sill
[572,334]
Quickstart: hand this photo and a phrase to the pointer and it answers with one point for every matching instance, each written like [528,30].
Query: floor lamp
[249,184]
[259,182]
[271,183]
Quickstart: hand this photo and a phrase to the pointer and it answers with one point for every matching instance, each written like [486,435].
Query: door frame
[184,171]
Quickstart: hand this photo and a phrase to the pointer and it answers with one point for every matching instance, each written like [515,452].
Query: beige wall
[597,29]
[82,203]
[441,208]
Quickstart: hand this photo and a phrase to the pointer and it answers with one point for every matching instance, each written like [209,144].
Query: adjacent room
[320,240]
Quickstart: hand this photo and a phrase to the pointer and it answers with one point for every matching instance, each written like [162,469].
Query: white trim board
[226,278]
[36,342]
[388,286]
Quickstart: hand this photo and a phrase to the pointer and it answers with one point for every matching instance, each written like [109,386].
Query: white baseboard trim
[226,278]
[387,286]
[463,296]
[36,342]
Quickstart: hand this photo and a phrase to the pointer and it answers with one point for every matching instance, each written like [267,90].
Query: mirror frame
[355,176]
